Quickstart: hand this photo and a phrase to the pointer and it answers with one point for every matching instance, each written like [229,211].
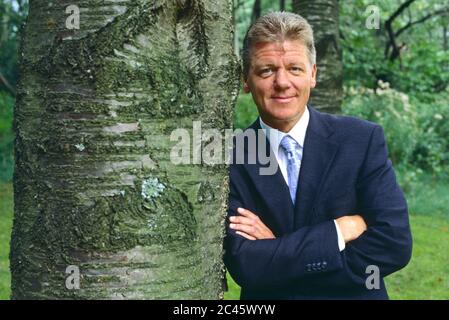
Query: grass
[427,274]
[6,209]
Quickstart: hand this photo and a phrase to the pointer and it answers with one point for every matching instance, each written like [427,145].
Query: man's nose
[281,81]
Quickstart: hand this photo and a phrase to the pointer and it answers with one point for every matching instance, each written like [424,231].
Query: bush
[415,130]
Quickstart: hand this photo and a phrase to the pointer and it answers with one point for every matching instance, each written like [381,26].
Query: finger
[251,230]
[247,236]
[246,213]
[242,220]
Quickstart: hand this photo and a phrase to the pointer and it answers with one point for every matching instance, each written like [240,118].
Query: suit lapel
[272,188]
[318,154]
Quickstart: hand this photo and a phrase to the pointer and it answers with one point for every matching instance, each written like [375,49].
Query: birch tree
[103,85]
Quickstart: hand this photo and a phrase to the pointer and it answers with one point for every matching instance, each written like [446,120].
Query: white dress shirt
[298,133]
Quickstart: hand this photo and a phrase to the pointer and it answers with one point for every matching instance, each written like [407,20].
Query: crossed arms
[251,227]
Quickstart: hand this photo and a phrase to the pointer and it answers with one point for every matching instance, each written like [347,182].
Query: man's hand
[351,227]
[250,226]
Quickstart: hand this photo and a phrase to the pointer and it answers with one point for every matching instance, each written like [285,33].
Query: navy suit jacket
[344,170]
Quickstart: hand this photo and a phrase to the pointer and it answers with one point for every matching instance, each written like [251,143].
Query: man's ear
[313,80]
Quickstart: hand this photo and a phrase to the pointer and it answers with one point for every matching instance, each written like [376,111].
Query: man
[332,218]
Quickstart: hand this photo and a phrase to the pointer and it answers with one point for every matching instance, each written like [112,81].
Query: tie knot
[289,144]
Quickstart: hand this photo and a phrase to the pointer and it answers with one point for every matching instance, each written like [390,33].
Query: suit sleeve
[311,253]
[387,242]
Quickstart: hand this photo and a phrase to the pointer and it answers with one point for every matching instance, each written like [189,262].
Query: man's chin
[285,118]
[280,120]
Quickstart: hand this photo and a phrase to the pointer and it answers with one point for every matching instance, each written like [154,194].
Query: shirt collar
[298,132]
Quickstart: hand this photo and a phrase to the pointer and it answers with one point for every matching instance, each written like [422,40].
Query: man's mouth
[283,99]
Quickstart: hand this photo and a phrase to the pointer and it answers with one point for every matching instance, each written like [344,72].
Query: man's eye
[295,69]
[265,72]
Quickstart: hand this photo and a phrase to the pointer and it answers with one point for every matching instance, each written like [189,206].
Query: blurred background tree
[323,15]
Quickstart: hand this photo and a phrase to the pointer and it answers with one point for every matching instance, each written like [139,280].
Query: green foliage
[6,107]
[415,130]
[432,152]
[12,16]
[6,136]
[245,112]
[393,111]
[423,65]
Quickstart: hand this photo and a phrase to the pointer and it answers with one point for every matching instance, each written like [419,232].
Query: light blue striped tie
[293,151]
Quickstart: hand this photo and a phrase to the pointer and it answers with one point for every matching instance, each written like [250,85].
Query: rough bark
[94,185]
[323,16]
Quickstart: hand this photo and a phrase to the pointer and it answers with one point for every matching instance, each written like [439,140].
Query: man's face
[280,78]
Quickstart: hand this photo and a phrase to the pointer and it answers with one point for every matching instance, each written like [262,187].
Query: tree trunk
[282,5]
[235,8]
[323,16]
[257,10]
[445,37]
[94,185]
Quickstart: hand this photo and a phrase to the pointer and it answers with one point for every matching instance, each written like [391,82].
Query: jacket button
[308,267]
[324,265]
[314,266]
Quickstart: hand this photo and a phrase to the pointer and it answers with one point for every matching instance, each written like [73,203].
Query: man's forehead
[285,47]
[289,49]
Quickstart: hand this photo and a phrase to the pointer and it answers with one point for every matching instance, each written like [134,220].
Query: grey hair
[278,27]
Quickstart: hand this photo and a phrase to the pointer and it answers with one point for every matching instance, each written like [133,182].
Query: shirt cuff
[341,241]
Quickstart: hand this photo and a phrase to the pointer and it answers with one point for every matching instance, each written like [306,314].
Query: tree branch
[6,84]
[388,26]
[399,10]
[412,23]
